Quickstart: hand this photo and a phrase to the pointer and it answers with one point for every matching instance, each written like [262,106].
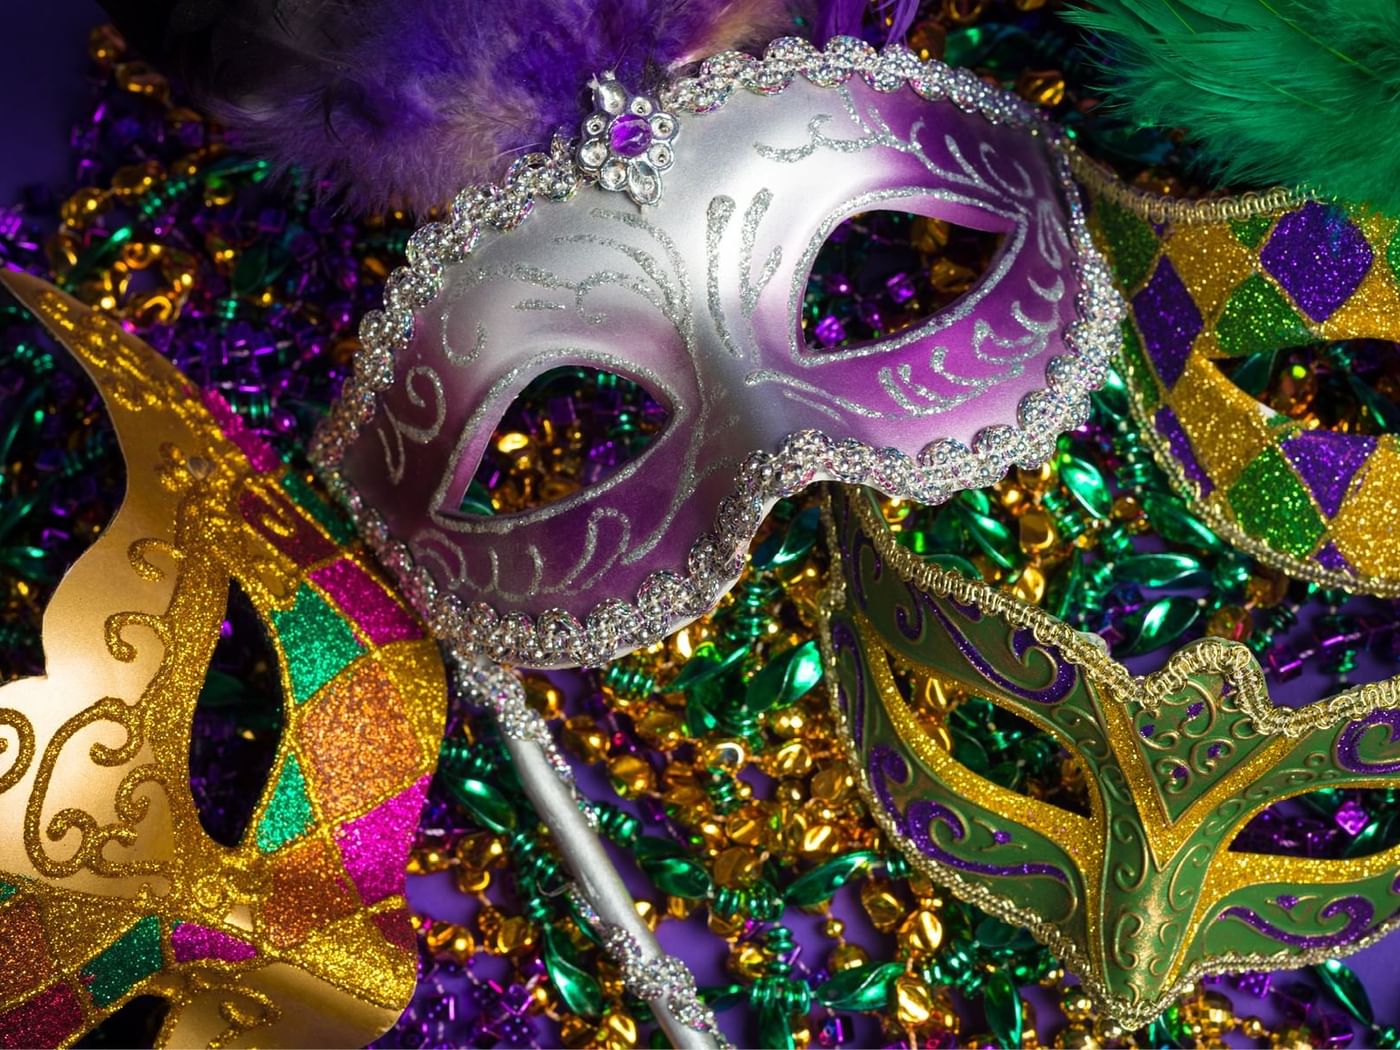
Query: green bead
[1161,570]
[576,987]
[792,544]
[1174,522]
[1346,988]
[1086,485]
[1164,621]
[484,803]
[865,987]
[1002,1007]
[825,879]
[784,680]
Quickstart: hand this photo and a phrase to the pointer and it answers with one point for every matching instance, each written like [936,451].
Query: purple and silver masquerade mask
[672,246]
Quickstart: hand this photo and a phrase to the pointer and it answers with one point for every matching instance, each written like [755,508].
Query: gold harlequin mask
[1141,892]
[1211,282]
[109,885]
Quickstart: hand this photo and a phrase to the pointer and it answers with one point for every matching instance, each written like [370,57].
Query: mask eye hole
[880,272]
[136,1022]
[238,723]
[570,429]
[1329,824]
[994,743]
[1351,386]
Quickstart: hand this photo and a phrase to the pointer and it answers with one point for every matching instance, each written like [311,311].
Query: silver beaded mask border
[670,598]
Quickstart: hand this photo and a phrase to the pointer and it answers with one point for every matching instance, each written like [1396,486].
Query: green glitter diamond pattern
[132,957]
[1250,232]
[1271,503]
[317,640]
[1144,378]
[288,814]
[1257,318]
[1131,242]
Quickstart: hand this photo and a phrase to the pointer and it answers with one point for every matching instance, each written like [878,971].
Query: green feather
[1300,93]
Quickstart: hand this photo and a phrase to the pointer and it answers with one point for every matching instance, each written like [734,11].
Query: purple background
[43,89]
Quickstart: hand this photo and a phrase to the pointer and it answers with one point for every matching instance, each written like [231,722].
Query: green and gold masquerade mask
[1224,279]
[1140,893]
[110,887]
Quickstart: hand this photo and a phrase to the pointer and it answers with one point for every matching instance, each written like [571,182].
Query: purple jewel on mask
[696,295]
[629,135]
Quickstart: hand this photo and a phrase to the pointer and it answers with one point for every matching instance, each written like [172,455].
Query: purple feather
[407,101]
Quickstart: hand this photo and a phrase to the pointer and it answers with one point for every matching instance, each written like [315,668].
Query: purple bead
[1351,817]
[629,135]
[830,331]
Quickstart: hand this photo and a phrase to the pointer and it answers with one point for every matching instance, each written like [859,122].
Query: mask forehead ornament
[696,296]
[1215,281]
[109,886]
[1141,894]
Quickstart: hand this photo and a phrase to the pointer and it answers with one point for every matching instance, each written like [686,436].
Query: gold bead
[845,957]
[833,927]
[1075,1037]
[631,775]
[584,738]
[737,867]
[1076,1005]
[791,760]
[105,45]
[1253,1028]
[722,754]
[680,907]
[449,940]
[618,1031]
[746,826]
[820,840]
[575,1033]
[1230,621]
[480,849]
[543,696]
[791,791]
[730,926]
[832,784]
[1044,87]
[471,881]
[747,961]
[648,912]
[929,236]
[878,898]
[661,729]
[788,722]
[914,1003]
[425,862]
[1037,532]
[1030,585]
[921,933]
[516,935]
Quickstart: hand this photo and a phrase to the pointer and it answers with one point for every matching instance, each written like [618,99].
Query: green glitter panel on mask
[1131,242]
[1250,232]
[7,890]
[1392,255]
[1144,379]
[337,526]
[289,813]
[132,957]
[1270,502]
[318,642]
[1257,318]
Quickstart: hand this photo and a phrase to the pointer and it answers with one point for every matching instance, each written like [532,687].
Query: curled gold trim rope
[1155,207]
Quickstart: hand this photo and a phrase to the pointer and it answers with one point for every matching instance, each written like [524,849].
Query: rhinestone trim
[668,599]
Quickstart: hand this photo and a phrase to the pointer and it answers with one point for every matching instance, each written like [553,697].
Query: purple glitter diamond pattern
[1331,558]
[1327,462]
[1170,428]
[1168,320]
[1318,257]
